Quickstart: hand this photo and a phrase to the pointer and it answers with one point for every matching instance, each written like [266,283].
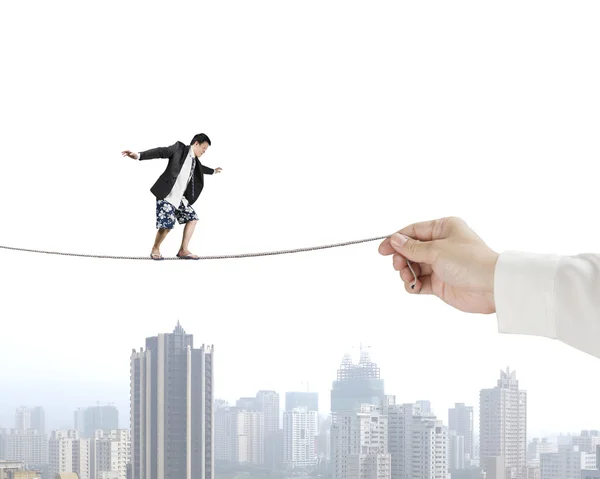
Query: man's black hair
[200,138]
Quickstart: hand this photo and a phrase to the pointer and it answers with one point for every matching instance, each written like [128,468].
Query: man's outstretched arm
[209,171]
[160,152]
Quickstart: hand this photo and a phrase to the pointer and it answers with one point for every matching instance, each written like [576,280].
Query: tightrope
[225,256]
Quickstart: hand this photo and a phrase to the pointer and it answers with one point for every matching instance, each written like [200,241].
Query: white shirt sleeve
[557,297]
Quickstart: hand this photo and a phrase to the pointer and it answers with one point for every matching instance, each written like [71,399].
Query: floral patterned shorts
[166,214]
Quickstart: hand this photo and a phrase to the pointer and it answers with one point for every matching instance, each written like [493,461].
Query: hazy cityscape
[180,430]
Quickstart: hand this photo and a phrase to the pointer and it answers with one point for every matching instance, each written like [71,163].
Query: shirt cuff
[524,293]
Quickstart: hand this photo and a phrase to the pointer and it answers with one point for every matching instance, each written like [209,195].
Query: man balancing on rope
[177,189]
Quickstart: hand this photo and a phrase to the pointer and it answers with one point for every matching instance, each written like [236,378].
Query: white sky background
[332,121]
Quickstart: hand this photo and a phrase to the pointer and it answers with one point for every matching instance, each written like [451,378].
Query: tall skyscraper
[309,400]
[239,436]
[82,458]
[360,445]
[356,384]
[456,451]
[38,419]
[417,443]
[503,426]
[267,402]
[172,398]
[79,420]
[110,454]
[460,420]
[103,418]
[63,452]
[299,438]
[23,419]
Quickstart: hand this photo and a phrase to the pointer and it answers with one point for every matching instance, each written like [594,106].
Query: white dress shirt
[554,296]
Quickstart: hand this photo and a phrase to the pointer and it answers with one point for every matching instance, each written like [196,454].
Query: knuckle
[455,222]
[412,247]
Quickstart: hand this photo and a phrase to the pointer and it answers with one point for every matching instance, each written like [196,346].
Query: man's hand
[131,154]
[450,261]
[218,170]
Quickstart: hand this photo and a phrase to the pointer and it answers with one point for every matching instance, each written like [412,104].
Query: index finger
[424,231]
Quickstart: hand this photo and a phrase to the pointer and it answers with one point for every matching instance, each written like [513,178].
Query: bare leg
[161,234]
[188,231]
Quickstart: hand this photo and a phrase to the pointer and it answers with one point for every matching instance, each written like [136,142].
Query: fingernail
[398,240]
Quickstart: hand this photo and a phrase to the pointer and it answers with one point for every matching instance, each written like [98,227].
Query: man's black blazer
[176,153]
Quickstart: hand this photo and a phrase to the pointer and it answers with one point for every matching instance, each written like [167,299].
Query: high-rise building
[2,445]
[460,420]
[239,436]
[82,458]
[248,403]
[299,438]
[111,453]
[29,447]
[104,456]
[88,420]
[23,419]
[172,398]
[274,450]
[267,402]
[503,425]
[103,418]
[456,451]
[79,420]
[356,384]
[38,419]
[221,404]
[360,444]
[533,471]
[418,442]
[567,463]
[324,437]
[296,399]
[587,441]
[425,406]
[62,452]
[539,446]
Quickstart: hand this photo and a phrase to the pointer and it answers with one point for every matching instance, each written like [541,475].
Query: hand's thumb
[411,249]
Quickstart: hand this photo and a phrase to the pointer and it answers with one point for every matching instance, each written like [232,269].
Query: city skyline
[172,402]
[7,417]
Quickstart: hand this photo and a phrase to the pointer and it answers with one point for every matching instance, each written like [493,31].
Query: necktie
[194,159]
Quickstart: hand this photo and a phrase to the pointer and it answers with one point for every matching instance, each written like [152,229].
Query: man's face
[199,148]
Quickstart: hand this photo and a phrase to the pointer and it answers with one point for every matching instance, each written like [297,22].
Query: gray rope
[229,256]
